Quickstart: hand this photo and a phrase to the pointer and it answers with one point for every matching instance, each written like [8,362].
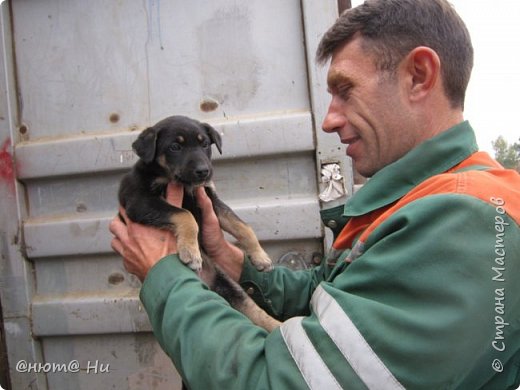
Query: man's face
[367,110]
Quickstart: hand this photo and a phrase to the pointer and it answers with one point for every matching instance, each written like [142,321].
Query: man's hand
[226,255]
[143,246]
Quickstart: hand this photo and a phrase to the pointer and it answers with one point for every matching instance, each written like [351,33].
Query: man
[419,289]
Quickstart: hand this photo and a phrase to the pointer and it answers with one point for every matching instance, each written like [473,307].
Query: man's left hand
[143,246]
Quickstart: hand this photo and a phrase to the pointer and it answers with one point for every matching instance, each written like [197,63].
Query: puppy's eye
[205,144]
[175,147]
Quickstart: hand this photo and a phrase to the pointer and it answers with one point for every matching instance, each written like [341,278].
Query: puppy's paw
[191,257]
[261,260]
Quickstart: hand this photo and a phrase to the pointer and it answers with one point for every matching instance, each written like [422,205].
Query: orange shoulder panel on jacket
[496,186]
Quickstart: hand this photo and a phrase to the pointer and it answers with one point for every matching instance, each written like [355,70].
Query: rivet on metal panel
[293,260]
[317,257]
[208,104]
[332,224]
[116,278]
[23,129]
[114,117]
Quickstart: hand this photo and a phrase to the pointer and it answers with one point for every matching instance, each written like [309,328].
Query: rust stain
[6,165]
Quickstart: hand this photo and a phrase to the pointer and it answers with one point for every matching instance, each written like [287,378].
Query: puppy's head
[181,146]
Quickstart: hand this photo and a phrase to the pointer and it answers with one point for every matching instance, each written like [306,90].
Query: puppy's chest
[158,186]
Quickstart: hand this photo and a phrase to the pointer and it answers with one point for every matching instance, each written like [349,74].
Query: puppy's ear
[144,145]
[214,136]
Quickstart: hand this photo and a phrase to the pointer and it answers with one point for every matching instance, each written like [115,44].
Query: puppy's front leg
[231,223]
[186,231]
[231,291]
[157,212]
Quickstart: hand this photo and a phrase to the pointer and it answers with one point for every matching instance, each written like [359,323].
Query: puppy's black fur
[178,149]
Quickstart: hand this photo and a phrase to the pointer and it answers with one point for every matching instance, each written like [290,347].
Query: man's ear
[144,145]
[214,136]
[423,66]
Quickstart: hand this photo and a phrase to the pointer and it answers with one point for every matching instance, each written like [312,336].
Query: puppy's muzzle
[201,173]
[194,174]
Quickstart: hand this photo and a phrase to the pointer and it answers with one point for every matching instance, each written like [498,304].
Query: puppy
[178,149]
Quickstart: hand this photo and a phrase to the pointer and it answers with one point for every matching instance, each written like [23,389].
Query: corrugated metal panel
[101,64]
[90,76]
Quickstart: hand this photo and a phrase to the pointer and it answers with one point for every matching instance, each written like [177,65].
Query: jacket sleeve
[283,293]
[417,309]
[423,305]
[212,345]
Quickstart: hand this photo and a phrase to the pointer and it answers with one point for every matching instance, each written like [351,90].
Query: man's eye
[175,147]
[344,92]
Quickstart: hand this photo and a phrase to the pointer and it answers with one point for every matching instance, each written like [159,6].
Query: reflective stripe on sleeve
[313,369]
[361,357]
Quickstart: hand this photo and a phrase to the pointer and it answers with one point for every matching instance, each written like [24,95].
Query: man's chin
[365,170]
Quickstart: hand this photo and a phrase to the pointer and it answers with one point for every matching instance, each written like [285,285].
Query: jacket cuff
[160,279]
[255,283]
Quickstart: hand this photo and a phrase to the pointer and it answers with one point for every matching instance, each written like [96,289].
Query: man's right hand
[228,257]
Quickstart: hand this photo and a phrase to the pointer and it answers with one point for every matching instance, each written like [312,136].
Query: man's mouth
[350,142]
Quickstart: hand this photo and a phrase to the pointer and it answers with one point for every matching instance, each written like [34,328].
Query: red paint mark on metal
[6,165]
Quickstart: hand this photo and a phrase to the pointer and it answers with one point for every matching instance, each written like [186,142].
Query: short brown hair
[392,28]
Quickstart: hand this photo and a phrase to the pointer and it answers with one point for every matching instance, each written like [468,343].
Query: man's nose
[334,119]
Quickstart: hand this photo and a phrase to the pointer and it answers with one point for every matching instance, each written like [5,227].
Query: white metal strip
[112,311]
[318,16]
[313,369]
[251,137]
[362,358]
[70,235]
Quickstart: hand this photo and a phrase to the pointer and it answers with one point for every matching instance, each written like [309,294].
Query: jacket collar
[432,157]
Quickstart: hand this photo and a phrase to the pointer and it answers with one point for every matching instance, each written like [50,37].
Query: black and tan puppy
[178,149]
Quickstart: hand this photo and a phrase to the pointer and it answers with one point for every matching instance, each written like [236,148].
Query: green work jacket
[420,290]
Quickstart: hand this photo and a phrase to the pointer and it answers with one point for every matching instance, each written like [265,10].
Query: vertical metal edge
[16,276]
[344,5]
[318,16]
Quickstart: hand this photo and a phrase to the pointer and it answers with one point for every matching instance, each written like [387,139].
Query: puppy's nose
[202,173]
